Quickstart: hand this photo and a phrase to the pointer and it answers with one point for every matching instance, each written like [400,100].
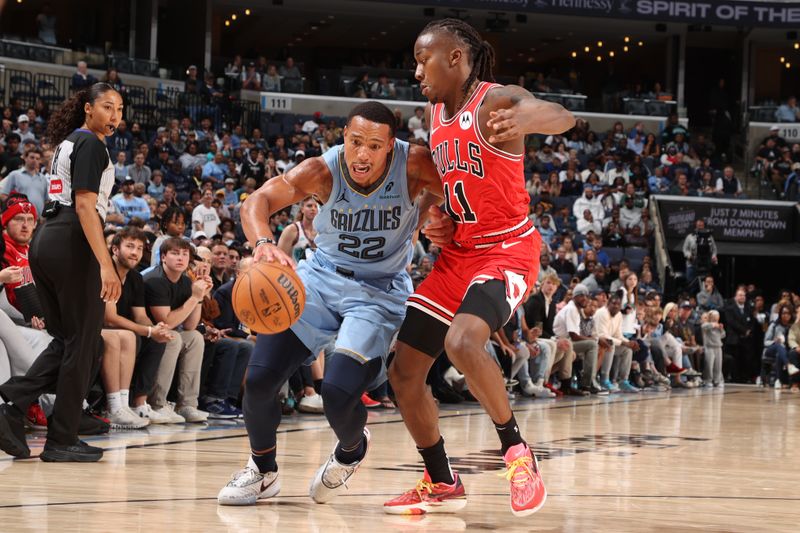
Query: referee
[74,276]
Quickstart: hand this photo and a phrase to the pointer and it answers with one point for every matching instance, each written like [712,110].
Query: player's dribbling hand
[503,126]
[270,253]
[440,227]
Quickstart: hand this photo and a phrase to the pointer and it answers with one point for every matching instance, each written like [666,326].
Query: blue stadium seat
[635,257]
[614,254]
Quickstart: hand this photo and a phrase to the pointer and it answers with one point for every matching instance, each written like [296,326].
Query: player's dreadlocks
[481,52]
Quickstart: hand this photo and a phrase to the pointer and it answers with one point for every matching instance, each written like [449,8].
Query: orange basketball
[268,297]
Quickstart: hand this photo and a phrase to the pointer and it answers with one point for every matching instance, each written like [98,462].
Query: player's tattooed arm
[513,112]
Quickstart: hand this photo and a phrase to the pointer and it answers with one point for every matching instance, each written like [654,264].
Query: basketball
[268,297]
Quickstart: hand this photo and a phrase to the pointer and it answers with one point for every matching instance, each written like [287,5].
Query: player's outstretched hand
[503,126]
[270,253]
[440,227]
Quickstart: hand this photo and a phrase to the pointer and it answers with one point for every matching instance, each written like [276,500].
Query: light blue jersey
[368,231]
[356,280]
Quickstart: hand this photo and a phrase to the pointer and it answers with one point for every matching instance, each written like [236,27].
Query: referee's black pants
[67,278]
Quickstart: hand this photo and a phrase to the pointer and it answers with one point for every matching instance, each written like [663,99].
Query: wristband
[263,240]
[149,331]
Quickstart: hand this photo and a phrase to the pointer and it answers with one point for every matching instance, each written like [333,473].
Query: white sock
[114,402]
[124,395]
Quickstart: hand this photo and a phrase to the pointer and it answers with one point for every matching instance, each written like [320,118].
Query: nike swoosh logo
[509,245]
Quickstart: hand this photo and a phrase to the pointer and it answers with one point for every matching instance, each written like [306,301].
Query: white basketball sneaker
[331,478]
[248,485]
[145,411]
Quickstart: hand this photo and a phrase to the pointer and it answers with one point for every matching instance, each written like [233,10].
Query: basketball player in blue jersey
[356,287]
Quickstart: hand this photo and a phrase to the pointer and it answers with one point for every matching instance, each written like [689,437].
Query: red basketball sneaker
[35,418]
[368,402]
[429,497]
[527,487]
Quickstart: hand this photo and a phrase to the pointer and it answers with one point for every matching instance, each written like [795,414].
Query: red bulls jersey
[484,186]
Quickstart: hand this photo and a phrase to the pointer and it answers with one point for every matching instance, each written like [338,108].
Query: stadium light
[600,44]
[574,54]
[797,46]
[227,22]
[586,49]
[788,65]
[783,59]
[627,39]
[641,43]
[233,17]
[624,48]
[599,58]
[611,53]
[247,12]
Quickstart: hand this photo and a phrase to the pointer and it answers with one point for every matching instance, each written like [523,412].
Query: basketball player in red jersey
[477,134]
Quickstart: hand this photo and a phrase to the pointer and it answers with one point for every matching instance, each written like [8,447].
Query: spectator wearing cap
[311,125]
[567,325]
[251,79]
[231,195]
[19,222]
[788,111]
[298,158]
[28,180]
[192,84]
[129,205]
[23,129]
[82,79]
[588,201]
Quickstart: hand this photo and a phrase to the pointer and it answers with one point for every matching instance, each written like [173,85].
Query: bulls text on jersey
[447,160]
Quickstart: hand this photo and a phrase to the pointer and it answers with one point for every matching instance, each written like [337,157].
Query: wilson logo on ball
[268,297]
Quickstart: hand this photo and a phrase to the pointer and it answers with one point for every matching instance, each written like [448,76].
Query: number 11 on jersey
[458,198]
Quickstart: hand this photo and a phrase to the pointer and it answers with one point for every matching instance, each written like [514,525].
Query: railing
[32,51]
[151,108]
[648,106]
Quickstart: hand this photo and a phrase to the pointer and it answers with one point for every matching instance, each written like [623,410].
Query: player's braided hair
[481,53]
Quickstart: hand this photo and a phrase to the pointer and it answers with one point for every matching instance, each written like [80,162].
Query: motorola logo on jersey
[466,120]
[462,158]
[367,219]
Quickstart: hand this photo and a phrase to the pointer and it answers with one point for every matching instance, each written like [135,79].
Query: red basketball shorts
[514,261]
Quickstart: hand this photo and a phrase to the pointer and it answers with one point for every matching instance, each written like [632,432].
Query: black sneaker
[595,390]
[569,391]
[446,394]
[12,432]
[80,452]
[90,424]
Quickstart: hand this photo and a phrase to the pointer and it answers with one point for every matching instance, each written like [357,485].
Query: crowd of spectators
[596,323]
[777,164]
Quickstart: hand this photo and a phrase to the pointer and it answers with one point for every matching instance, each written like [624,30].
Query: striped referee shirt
[81,162]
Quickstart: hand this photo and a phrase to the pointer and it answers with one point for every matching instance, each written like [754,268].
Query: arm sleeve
[91,159]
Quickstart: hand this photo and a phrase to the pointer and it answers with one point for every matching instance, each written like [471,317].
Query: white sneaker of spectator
[536,390]
[169,413]
[777,384]
[123,418]
[145,411]
[192,414]
[791,369]
[454,378]
[311,404]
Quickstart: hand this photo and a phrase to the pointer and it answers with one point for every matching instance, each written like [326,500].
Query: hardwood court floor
[681,461]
